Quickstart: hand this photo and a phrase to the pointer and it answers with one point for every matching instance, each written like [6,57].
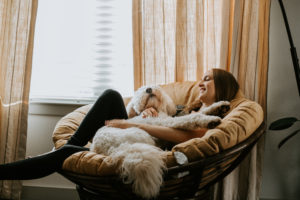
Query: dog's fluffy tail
[142,166]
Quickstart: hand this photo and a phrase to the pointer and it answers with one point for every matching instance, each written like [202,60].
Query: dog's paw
[219,108]
[213,124]
[210,121]
[223,109]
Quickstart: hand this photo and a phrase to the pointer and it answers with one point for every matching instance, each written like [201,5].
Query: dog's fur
[155,98]
[142,162]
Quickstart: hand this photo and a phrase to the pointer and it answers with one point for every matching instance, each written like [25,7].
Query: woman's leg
[39,166]
[109,106]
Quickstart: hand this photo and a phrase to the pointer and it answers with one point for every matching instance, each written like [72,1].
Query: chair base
[85,194]
[196,184]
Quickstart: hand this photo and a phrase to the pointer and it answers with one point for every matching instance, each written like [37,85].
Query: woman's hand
[118,123]
[149,112]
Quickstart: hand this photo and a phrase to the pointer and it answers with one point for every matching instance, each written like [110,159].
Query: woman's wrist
[131,124]
[118,123]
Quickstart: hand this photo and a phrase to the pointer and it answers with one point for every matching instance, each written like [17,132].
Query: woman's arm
[161,132]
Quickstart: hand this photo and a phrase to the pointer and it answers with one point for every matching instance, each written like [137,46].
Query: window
[82,48]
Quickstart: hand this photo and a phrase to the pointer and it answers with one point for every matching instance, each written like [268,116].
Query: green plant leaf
[283,123]
[287,138]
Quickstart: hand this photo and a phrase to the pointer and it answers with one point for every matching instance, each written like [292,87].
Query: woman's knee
[111,94]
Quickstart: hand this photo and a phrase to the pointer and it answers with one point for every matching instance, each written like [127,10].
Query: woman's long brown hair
[226,85]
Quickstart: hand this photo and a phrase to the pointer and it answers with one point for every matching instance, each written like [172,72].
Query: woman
[109,110]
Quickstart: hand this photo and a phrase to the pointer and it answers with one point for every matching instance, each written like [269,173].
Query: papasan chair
[210,158]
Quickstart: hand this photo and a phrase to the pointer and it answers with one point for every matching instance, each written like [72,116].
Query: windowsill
[55,107]
[57,101]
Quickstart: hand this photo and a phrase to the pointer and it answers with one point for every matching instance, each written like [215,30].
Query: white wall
[281,173]
[41,122]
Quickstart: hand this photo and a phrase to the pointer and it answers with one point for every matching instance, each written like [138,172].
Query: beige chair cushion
[242,120]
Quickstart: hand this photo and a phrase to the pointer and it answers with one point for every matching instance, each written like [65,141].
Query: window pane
[82,48]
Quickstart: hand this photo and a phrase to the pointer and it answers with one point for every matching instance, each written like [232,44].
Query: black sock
[39,166]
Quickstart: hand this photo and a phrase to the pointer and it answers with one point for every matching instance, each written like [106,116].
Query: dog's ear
[171,108]
[130,110]
[170,105]
[133,107]
[132,113]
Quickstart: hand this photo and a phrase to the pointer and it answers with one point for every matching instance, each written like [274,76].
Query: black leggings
[109,106]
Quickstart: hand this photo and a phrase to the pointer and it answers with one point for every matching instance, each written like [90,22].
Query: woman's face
[207,88]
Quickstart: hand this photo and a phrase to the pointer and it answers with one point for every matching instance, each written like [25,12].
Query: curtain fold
[178,40]
[17,21]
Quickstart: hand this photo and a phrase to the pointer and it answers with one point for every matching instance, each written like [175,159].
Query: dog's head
[150,96]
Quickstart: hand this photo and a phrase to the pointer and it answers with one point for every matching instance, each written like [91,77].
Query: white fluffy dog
[142,162]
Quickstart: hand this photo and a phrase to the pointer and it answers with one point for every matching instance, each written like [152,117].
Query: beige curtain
[17,20]
[249,56]
[177,40]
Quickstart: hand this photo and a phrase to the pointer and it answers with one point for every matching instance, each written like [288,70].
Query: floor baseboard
[47,193]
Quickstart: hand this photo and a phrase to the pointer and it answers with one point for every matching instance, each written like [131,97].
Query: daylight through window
[82,48]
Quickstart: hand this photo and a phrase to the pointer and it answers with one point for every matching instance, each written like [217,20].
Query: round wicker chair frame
[192,180]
